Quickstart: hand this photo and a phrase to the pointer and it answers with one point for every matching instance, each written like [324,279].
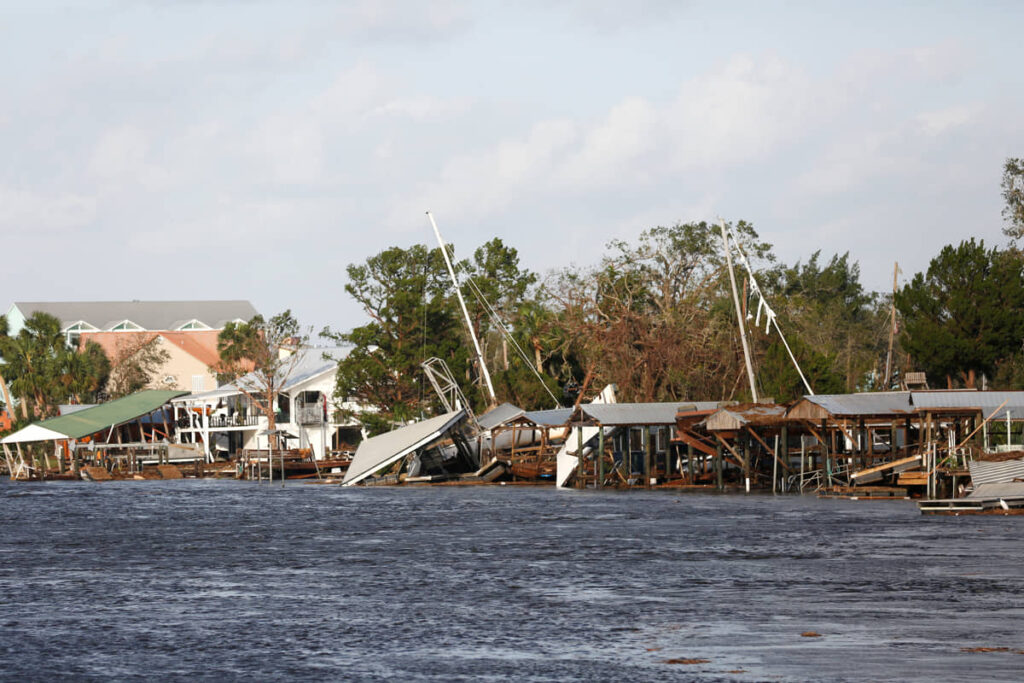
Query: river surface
[224,580]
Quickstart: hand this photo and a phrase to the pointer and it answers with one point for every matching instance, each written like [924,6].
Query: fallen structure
[120,436]
[436,448]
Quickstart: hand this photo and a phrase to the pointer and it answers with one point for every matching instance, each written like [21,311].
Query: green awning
[107,415]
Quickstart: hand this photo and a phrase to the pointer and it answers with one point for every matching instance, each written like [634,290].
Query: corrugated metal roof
[549,418]
[384,449]
[986,401]
[622,414]
[991,491]
[500,415]
[983,472]
[107,415]
[850,405]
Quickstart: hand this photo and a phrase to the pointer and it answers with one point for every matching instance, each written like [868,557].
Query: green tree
[259,357]
[42,371]
[1013,195]
[405,293]
[965,314]
[825,306]
[5,392]
[502,300]
[778,379]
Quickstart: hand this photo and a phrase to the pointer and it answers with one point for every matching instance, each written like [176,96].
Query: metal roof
[104,416]
[500,415]
[983,472]
[310,365]
[995,490]
[878,403]
[549,418]
[622,414]
[986,401]
[384,449]
[150,315]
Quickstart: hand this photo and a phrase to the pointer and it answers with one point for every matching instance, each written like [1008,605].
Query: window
[73,332]
[125,326]
[198,384]
[194,325]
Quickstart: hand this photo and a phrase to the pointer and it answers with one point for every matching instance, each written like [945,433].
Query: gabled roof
[150,315]
[95,419]
[384,449]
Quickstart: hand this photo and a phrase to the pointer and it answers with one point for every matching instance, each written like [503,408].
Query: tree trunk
[8,405]
[272,418]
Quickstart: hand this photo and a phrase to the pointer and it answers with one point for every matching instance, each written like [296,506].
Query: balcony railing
[310,415]
[223,421]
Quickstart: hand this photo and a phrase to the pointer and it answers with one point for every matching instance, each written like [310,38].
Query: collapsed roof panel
[384,449]
[506,412]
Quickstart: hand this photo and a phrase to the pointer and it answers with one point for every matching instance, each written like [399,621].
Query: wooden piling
[648,451]
[718,466]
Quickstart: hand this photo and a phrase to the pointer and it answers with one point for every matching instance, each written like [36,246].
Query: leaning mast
[465,312]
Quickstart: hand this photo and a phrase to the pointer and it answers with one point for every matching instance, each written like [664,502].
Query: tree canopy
[1013,196]
[404,292]
[964,314]
[259,356]
[42,371]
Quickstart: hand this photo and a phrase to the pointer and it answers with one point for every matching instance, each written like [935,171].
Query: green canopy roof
[104,416]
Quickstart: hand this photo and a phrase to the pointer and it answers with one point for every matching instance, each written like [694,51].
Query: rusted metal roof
[738,416]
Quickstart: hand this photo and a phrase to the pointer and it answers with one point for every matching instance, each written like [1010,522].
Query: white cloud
[943,120]
[26,212]
[734,115]
[121,157]
[289,149]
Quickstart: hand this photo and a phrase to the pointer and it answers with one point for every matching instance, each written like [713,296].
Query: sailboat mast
[739,313]
[465,312]
[892,327]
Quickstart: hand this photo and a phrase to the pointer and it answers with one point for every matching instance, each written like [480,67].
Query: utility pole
[739,313]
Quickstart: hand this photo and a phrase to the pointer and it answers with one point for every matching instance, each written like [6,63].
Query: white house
[224,420]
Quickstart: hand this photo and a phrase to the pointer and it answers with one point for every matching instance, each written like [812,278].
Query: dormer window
[126,326]
[73,332]
[194,325]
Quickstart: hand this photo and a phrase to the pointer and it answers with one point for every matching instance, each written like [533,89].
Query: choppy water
[232,580]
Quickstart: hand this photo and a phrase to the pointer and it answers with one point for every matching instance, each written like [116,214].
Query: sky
[176,149]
